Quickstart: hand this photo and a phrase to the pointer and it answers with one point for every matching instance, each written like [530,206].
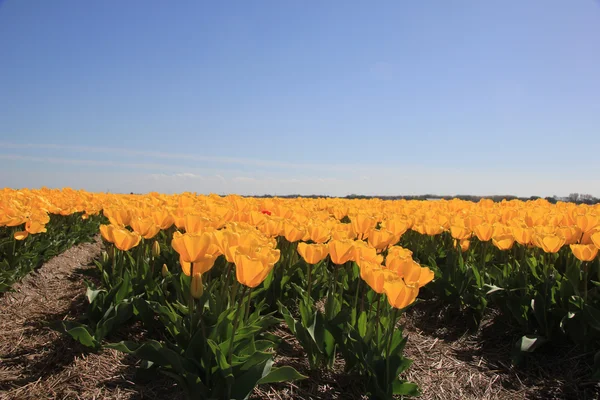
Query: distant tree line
[573,197]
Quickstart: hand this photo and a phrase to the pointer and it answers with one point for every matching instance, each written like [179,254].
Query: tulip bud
[111,252]
[196,288]
[105,258]
[155,249]
[165,271]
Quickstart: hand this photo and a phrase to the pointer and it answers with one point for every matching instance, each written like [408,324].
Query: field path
[39,363]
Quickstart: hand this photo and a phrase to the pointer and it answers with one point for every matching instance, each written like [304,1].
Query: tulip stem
[236,286]
[191,303]
[377,318]
[226,281]
[309,297]
[585,279]
[114,264]
[356,293]
[247,313]
[236,321]
[389,346]
[362,298]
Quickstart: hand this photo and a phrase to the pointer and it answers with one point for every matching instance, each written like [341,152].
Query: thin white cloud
[179,156]
[188,175]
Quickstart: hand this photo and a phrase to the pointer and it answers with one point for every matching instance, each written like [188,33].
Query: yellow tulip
[463,244]
[522,234]
[318,232]
[272,227]
[503,241]
[483,231]
[21,235]
[144,226]
[293,232]
[374,275]
[596,239]
[193,247]
[313,253]
[252,265]
[399,295]
[549,243]
[587,222]
[341,251]
[118,216]
[433,228]
[380,239]
[163,219]
[362,251]
[397,225]
[124,239]
[398,251]
[584,252]
[34,227]
[363,224]
[460,232]
[412,273]
[195,223]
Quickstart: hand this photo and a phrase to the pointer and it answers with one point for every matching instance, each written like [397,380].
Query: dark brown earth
[450,362]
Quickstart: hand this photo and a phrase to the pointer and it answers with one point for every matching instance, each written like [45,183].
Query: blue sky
[281,97]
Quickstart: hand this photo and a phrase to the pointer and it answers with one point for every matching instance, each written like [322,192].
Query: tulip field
[209,277]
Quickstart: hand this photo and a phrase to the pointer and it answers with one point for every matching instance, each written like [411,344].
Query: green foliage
[20,257]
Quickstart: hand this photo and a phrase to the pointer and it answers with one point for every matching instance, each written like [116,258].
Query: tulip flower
[522,234]
[460,232]
[144,226]
[293,232]
[412,273]
[34,227]
[363,224]
[399,295]
[584,252]
[122,238]
[313,253]
[253,264]
[374,275]
[21,235]
[483,231]
[341,251]
[318,232]
[596,239]
[380,239]
[503,241]
[549,243]
[193,247]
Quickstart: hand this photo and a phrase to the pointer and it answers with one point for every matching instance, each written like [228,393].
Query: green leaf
[528,343]
[77,331]
[404,388]
[114,317]
[245,383]
[493,289]
[283,374]
[362,324]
